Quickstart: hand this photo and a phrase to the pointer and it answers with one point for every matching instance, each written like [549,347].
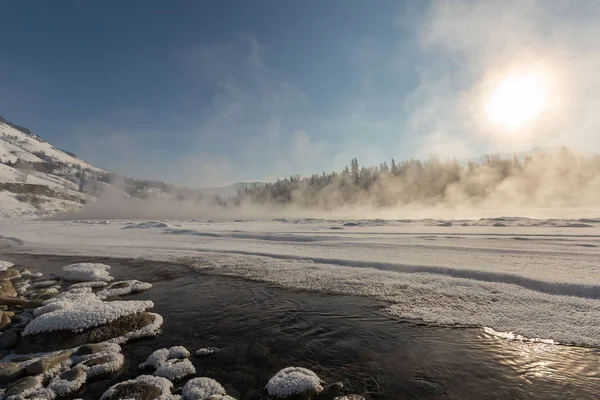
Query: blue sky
[210,92]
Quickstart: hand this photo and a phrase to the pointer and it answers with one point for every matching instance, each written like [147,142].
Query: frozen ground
[536,278]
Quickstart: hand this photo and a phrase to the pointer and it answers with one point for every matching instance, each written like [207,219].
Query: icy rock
[122,288]
[7,290]
[76,317]
[161,356]
[95,349]
[10,371]
[206,351]
[119,331]
[144,387]
[42,394]
[8,339]
[294,381]
[92,284]
[47,363]
[23,388]
[44,284]
[5,319]
[103,365]
[68,382]
[85,272]
[202,388]
[12,301]
[9,274]
[175,369]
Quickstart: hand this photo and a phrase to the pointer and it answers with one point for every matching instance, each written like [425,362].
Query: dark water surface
[262,328]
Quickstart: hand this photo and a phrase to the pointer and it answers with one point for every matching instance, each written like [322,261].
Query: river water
[261,328]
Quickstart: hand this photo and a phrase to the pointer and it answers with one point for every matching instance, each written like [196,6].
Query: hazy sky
[209,92]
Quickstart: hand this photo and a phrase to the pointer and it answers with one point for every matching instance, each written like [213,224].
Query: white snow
[538,278]
[294,380]
[175,369]
[13,140]
[87,272]
[202,388]
[132,286]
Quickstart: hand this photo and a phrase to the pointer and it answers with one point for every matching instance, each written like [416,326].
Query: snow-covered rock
[144,386]
[206,351]
[92,284]
[202,388]
[68,382]
[175,369]
[161,356]
[84,272]
[122,288]
[103,364]
[90,313]
[294,381]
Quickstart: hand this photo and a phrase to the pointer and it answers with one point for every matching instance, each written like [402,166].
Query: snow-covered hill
[38,179]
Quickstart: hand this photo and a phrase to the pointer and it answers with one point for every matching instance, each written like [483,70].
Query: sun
[517,100]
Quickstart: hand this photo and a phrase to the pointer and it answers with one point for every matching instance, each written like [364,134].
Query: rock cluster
[53,341]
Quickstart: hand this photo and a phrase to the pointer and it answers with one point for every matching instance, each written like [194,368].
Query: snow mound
[205,351]
[63,387]
[201,388]
[4,265]
[175,369]
[122,288]
[84,272]
[77,316]
[92,284]
[292,381]
[163,384]
[161,356]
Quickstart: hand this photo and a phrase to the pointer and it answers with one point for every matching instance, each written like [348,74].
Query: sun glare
[517,100]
